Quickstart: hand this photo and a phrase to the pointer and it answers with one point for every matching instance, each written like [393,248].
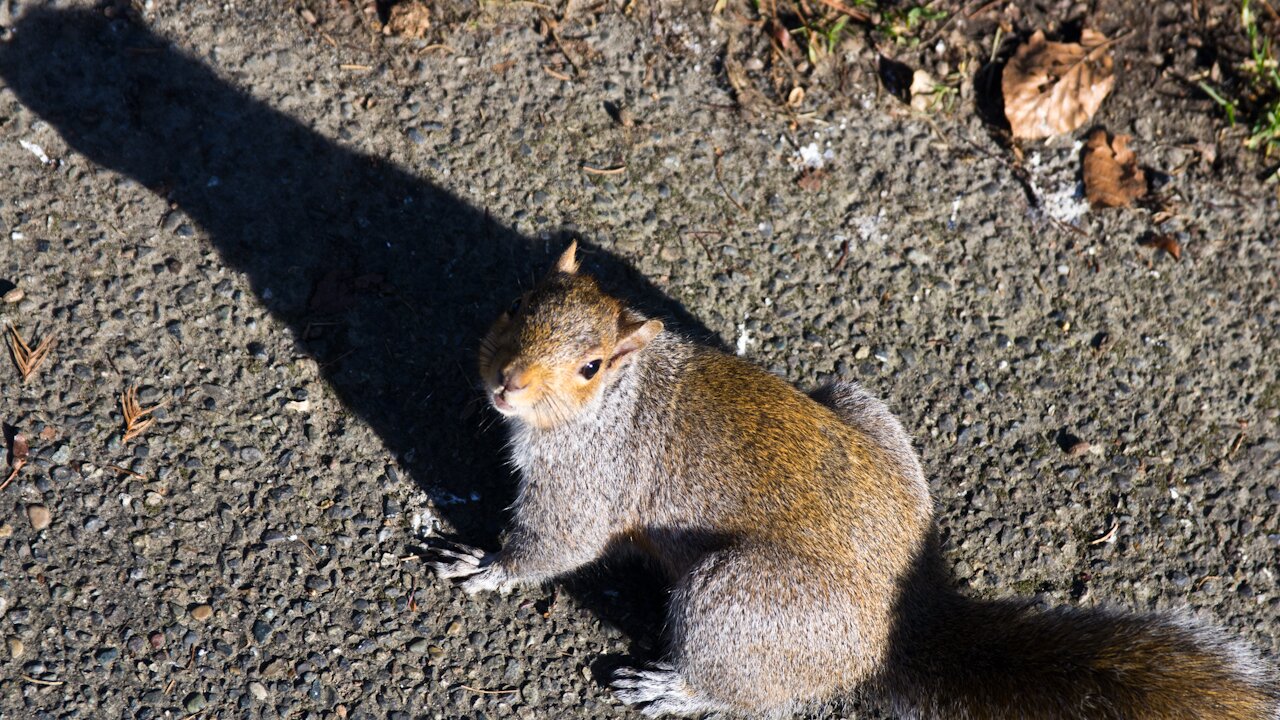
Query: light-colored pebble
[39,516]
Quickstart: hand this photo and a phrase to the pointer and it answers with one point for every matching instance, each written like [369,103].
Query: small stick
[18,452]
[37,681]
[604,171]
[984,8]
[844,255]
[126,471]
[482,691]
[1108,537]
[720,181]
[855,15]
[353,66]
[555,38]
[557,75]
[307,545]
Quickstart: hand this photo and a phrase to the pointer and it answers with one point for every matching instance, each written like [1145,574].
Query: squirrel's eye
[515,306]
[589,370]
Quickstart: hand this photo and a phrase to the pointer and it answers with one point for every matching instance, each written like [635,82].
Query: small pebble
[15,295]
[6,530]
[16,648]
[39,516]
[258,690]
[201,612]
[195,702]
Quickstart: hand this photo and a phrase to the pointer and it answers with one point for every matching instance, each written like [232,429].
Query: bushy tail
[965,659]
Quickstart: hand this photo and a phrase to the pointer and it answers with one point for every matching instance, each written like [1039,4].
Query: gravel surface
[289,237]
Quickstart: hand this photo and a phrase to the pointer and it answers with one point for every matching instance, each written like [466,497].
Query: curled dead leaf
[1165,242]
[1052,88]
[811,179]
[408,19]
[780,36]
[1112,177]
[922,90]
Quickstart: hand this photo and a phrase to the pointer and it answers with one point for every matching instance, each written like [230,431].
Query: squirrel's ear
[568,262]
[633,334]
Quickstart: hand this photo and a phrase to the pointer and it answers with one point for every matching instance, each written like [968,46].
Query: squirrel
[798,535]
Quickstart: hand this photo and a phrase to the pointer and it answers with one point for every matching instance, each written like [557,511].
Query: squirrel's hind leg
[660,690]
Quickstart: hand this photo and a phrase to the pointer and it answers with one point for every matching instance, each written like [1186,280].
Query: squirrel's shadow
[386,279]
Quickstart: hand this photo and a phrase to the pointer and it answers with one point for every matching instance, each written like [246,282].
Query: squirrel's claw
[458,561]
[475,565]
[492,577]
[659,689]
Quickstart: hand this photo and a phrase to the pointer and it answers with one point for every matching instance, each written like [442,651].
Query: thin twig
[720,181]
[38,681]
[557,75]
[844,255]
[18,453]
[555,38]
[482,691]
[126,471]
[17,465]
[1107,537]
[618,170]
[855,15]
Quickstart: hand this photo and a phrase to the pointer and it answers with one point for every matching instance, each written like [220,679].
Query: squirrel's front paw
[457,561]
[463,561]
[493,577]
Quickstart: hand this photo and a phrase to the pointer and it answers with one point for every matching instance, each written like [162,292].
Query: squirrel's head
[558,347]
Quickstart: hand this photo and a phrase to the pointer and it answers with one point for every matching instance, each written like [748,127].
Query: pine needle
[136,421]
[24,357]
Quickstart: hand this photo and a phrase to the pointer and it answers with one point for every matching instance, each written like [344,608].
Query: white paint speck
[744,337]
[36,150]
[811,156]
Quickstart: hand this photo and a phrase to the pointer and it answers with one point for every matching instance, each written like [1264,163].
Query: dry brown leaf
[18,452]
[811,179]
[409,19]
[1053,88]
[1165,242]
[1112,177]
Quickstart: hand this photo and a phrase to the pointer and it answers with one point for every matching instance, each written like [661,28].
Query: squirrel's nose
[514,379]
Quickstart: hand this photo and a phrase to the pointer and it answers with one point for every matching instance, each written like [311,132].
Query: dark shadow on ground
[388,281]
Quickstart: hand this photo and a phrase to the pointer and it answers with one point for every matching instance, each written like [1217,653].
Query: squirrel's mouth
[500,402]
